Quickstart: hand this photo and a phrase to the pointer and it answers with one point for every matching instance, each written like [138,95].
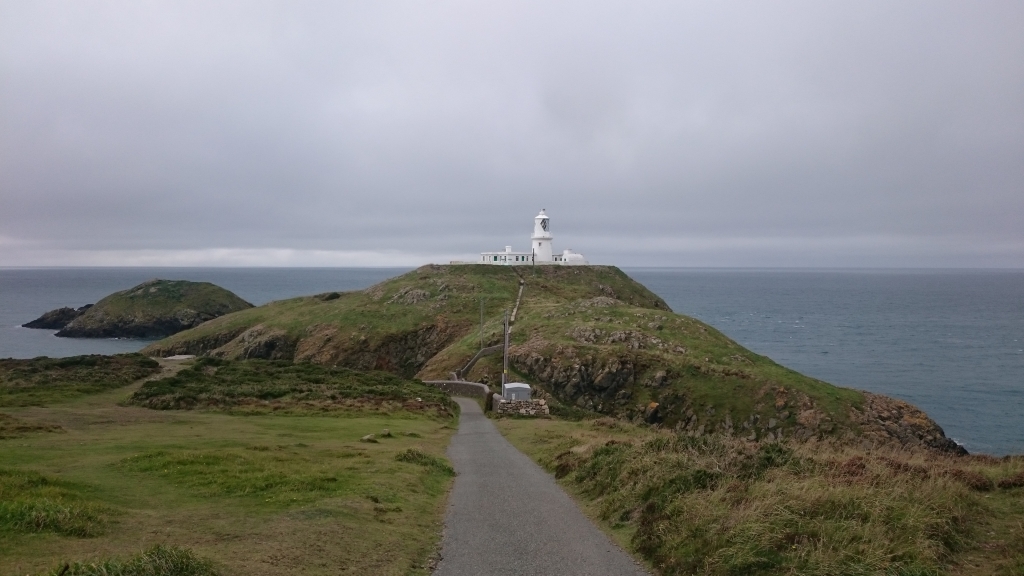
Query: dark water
[27,293]
[950,342]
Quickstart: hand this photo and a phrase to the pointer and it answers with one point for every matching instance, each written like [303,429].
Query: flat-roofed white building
[540,249]
[515,391]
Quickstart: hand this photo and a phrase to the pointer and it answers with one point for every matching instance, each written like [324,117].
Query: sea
[948,341]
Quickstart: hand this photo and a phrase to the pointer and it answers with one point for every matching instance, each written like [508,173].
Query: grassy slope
[294,493]
[353,329]
[717,505]
[590,335]
[259,386]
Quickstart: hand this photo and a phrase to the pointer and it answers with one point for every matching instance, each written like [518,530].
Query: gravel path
[507,516]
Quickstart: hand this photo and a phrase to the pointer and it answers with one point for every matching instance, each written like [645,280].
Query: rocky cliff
[590,337]
[153,309]
[57,319]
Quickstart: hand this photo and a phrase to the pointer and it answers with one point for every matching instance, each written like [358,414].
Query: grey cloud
[713,133]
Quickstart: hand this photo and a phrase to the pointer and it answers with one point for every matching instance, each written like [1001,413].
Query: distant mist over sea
[948,341]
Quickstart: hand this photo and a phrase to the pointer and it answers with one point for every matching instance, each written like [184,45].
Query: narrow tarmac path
[507,516]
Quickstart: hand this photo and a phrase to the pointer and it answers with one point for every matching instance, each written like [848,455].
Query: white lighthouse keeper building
[540,252]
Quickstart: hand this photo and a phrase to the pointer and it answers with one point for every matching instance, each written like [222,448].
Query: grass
[31,503]
[157,561]
[11,427]
[592,337]
[420,458]
[259,385]
[292,491]
[718,505]
[42,381]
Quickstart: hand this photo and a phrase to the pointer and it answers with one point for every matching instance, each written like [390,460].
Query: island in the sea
[153,309]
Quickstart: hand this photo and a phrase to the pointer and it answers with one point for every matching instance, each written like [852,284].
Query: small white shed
[515,391]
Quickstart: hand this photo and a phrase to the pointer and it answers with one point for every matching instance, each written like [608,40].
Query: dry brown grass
[721,505]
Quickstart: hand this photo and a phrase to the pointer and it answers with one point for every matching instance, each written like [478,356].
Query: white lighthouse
[540,252]
[541,238]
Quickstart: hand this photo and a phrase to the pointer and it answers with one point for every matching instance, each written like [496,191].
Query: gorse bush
[722,506]
[256,385]
[45,380]
[157,561]
[31,502]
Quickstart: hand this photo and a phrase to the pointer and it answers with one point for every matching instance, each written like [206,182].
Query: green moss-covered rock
[153,309]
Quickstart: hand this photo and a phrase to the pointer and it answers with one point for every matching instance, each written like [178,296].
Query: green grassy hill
[153,309]
[591,337]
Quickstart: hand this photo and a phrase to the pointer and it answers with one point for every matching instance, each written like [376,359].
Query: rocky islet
[153,309]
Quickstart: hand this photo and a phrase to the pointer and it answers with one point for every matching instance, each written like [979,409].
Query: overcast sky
[399,133]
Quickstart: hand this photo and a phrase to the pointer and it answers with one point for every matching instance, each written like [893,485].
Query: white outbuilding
[515,391]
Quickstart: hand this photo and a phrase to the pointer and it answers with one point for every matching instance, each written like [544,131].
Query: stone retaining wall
[520,407]
[459,388]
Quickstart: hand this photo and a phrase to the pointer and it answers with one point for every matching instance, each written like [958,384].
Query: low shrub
[261,385]
[570,413]
[719,505]
[1016,481]
[971,479]
[31,502]
[420,458]
[157,561]
[45,380]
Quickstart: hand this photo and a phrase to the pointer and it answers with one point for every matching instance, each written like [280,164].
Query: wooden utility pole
[504,370]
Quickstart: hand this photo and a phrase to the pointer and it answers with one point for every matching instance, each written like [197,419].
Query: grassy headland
[591,337]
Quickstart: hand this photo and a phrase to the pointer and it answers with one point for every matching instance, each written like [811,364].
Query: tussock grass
[157,561]
[31,502]
[43,380]
[420,458]
[722,506]
[260,385]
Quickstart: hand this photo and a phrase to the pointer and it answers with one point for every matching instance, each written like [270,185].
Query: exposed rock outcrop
[884,419]
[57,319]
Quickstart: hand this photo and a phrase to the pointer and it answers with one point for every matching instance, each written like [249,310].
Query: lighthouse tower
[541,239]
[540,253]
